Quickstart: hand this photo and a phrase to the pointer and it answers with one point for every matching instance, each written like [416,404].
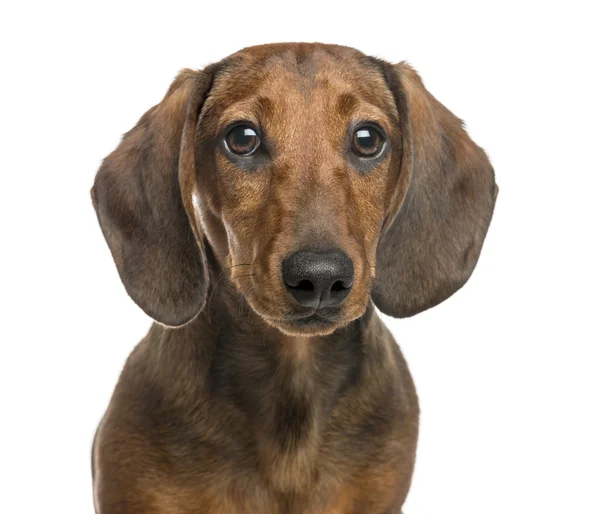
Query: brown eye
[242,140]
[367,141]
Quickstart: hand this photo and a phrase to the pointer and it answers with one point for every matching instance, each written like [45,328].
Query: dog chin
[311,326]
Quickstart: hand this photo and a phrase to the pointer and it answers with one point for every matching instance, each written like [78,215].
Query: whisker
[379,270]
[376,290]
[379,281]
[242,276]
[208,303]
[236,265]
[250,289]
[243,299]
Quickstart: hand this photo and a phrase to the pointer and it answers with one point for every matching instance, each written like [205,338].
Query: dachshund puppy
[258,214]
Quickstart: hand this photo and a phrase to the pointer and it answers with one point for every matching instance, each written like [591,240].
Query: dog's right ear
[156,245]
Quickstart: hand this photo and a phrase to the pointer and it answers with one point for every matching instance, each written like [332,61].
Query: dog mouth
[295,320]
[318,322]
[313,320]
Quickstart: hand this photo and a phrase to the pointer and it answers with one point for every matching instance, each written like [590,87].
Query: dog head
[316,176]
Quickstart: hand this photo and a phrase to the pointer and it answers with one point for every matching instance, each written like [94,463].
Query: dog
[258,214]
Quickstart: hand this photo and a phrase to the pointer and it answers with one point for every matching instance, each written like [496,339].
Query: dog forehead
[294,75]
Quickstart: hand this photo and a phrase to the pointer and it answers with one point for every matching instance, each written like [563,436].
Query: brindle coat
[231,404]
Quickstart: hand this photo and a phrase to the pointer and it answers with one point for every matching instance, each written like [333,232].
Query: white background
[507,370]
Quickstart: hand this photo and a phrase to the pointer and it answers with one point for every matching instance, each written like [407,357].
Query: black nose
[318,278]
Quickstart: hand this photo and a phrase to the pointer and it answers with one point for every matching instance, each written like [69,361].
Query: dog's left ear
[143,195]
[442,205]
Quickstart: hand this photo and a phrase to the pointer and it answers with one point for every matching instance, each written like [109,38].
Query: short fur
[230,404]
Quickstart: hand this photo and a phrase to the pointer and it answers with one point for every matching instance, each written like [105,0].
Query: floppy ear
[156,245]
[442,208]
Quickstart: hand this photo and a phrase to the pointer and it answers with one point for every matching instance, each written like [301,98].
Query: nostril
[338,286]
[303,291]
[305,285]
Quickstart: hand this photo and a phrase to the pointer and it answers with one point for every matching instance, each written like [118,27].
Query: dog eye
[367,141]
[242,140]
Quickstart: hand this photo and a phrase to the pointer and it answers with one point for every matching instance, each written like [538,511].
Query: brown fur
[229,405]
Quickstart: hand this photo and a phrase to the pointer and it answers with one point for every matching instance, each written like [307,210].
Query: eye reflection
[242,140]
[367,141]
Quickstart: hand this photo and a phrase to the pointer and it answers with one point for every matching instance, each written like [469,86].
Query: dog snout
[318,279]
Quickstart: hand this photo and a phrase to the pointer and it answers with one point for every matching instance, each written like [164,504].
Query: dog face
[317,175]
[295,170]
